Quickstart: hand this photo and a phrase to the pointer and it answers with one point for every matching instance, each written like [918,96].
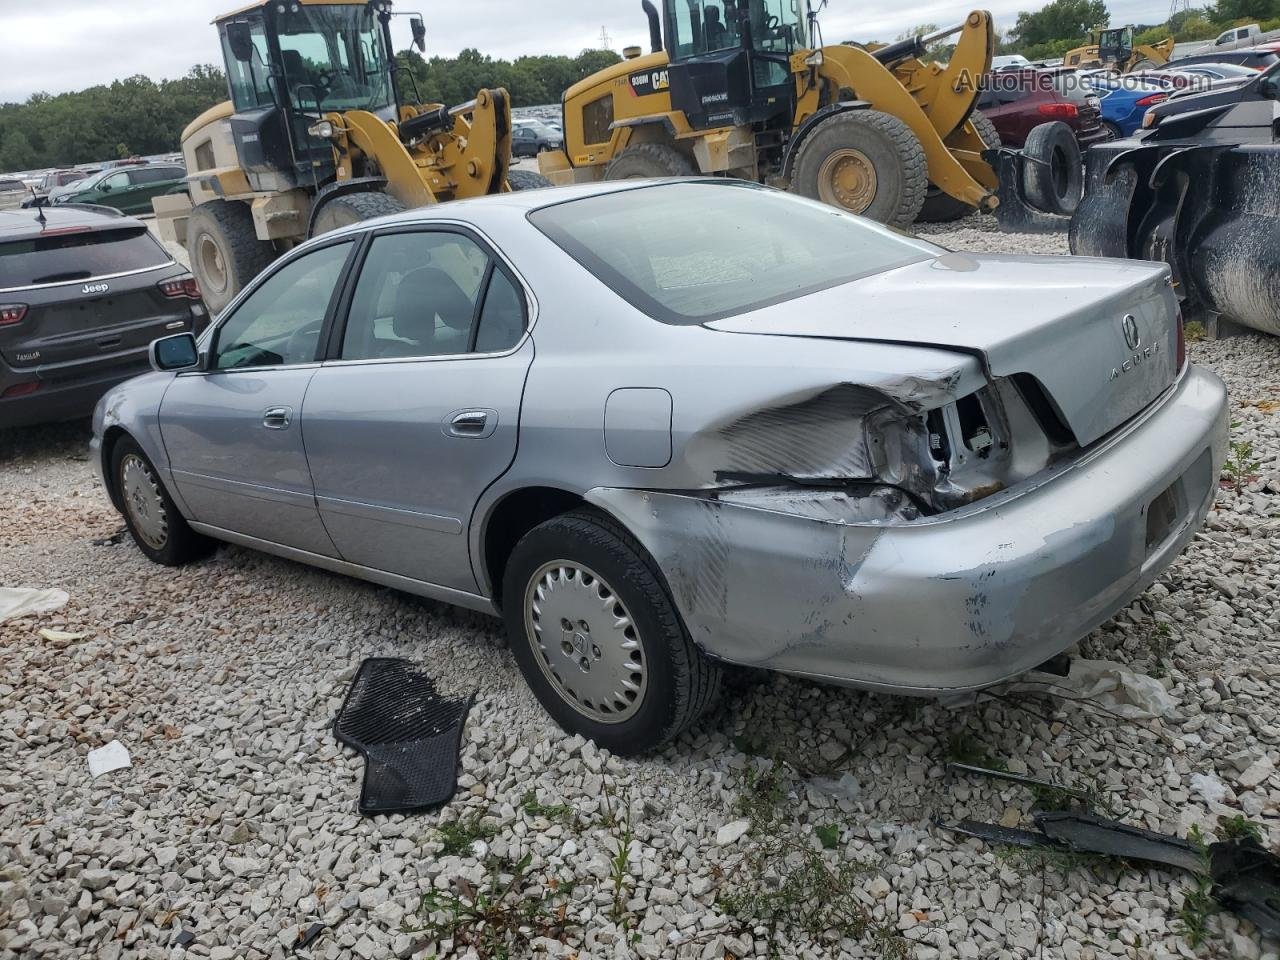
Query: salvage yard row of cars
[663,426]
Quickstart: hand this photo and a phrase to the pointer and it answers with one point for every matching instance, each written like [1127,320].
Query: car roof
[21,224]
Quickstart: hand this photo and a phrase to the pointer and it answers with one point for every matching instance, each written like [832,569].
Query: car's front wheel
[599,639]
[150,515]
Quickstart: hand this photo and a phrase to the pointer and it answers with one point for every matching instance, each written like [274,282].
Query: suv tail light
[11,313]
[186,287]
[1059,111]
[1153,99]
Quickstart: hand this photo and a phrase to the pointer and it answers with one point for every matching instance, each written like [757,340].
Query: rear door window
[68,257]
[431,294]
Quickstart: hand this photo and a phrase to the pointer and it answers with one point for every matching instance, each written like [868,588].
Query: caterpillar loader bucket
[1209,210]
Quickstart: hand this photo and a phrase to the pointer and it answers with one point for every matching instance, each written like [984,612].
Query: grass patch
[1198,904]
[1240,467]
[1193,331]
[1237,828]
[783,884]
[502,916]
[457,837]
[530,804]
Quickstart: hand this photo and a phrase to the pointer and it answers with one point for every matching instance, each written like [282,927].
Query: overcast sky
[61,45]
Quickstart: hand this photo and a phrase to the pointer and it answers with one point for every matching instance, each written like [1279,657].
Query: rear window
[68,257]
[693,252]
[12,185]
[1073,86]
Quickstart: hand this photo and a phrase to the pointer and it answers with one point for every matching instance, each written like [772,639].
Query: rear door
[418,413]
[113,190]
[232,430]
[148,183]
[92,299]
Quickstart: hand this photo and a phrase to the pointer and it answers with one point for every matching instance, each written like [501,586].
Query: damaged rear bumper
[953,602]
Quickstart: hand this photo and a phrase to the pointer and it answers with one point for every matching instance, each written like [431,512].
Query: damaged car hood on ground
[1020,315]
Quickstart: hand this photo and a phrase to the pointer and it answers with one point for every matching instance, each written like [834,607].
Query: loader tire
[224,250]
[353,208]
[941,207]
[866,162]
[646,160]
[1052,169]
[519,180]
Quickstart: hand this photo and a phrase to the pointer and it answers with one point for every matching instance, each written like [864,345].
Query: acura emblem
[1131,335]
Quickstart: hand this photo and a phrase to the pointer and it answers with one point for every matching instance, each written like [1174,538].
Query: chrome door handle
[277,418]
[469,423]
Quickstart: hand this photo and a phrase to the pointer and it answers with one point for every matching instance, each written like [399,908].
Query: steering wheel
[771,22]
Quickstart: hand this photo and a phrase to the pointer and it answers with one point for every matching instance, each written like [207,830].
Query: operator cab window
[431,294]
[250,89]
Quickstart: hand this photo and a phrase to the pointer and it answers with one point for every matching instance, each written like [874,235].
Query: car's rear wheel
[150,515]
[598,638]
[225,251]
[1113,130]
[866,162]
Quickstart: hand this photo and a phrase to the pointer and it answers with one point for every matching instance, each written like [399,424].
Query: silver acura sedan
[659,426]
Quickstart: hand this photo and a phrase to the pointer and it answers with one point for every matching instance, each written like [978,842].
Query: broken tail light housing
[11,313]
[1059,111]
[183,288]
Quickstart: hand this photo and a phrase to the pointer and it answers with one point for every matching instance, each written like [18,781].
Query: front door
[419,414]
[232,430]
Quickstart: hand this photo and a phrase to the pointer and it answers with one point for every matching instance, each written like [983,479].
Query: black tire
[679,681]
[353,208]
[884,143]
[646,160]
[178,544]
[941,207]
[1112,129]
[519,180]
[224,250]
[1052,168]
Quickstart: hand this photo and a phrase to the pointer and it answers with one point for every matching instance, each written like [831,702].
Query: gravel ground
[236,825]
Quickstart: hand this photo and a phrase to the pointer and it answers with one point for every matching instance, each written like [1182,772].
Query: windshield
[333,57]
[694,251]
[705,26]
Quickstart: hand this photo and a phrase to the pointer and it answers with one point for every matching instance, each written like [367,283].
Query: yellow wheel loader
[1114,48]
[317,134]
[738,87]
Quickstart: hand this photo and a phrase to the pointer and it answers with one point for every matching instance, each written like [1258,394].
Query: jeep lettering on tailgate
[95,288]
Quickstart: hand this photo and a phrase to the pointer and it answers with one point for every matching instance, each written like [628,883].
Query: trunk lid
[1062,320]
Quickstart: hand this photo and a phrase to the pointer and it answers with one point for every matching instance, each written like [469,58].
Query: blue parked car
[1124,100]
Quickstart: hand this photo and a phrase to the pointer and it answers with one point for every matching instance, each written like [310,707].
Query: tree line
[141,116]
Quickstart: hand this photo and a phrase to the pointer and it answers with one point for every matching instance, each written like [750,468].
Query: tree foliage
[134,115]
[1061,20]
[140,116]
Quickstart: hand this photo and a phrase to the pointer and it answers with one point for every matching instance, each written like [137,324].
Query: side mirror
[240,40]
[178,352]
[419,33]
[105,187]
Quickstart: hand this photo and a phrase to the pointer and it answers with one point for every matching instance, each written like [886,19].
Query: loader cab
[1115,46]
[730,59]
[287,65]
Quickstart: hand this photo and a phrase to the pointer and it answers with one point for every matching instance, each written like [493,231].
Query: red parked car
[1015,101]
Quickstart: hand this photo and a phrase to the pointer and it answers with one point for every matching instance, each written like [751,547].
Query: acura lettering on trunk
[659,427]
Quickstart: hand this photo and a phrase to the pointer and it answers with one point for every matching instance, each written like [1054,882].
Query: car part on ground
[308,144]
[83,292]
[871,130]
[1245,876]
[1198,192]
[769,499]
[408,732]
[1041,184]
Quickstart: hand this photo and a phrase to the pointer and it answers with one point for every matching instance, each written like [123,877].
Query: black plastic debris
[185,938]
[409,735]
[308,936]
[1246,877]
